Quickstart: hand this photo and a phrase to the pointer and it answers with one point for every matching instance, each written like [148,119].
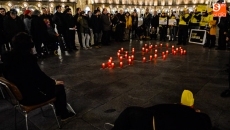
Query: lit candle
[119,51]
[126,52]
[146,45]
[111,58]
[143,49]
[146,50]
[155,46]
[151,46]
[167,45]
[126,56]
[121,64]
[181,52]
[161,45]
[122,49]
[180,47]
[184,52]
[112,65]
[144,59]
[174,52]
[172,47]
[129,57]
[109,62]
[132,51]
[167,52]
[132,57]
[155,56]
[163,53]
[130,60]
[132,48]
[155,50]
[150,57]
[120,58]
[118,54]
[164,57]
[103,65]
[176,49]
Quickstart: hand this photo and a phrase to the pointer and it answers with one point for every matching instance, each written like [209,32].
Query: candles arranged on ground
[109,62]
[132,57]
[174,52]
[103,65]
[126,52]
[146,45]
[167,45]
[118,54]
[155,56]
[143,59]
[161,45]
[119,51]
[163,53]
[120,58]
[167,52]
[111,58]
[129,61]
[164,57]
[184,52]
[177,49]
[126,56]
[146,50]
[122,49]
[133,51]
[150,57]
[155,50]
[155,46]
[172,47]
[143,49]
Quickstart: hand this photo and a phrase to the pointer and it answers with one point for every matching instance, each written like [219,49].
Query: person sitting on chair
[20,67]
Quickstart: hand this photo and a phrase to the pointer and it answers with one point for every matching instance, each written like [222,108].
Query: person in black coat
[155,25]
[12,25]
[106,23]
[21,68]
[38,31]
[121,23]
[70,30]
[96,26]
[78,11]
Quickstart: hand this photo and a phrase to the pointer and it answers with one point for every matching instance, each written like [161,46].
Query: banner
[163,21]
[219,10]
[197,36]
[201,8]
[172,22]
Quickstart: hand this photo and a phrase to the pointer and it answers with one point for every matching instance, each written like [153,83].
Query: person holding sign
[163,25]
[195,19]
[172,27]
[183,27]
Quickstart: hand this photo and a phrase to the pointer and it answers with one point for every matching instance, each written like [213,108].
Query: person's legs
[87,36]
[83,37]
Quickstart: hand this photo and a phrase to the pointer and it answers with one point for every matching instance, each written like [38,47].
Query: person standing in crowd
[146,22]
[204,20]
[96,26]
[12,25]
[70,30]
[38,32]
[46,15]
[84,30]
[128,25]
[134,24]
[58,19]
[120,28]
[2,35]
[155,25]
[27,20]
[210,30]
[195,20]
[223,25]
[78,26]
[163,25]
[172,27]
[183,27]
[106,27]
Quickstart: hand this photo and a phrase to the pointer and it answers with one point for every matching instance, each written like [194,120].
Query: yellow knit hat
[187,98]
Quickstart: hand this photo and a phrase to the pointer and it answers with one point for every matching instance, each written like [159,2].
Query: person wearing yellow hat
[187,98]
[195,20]
[183,27]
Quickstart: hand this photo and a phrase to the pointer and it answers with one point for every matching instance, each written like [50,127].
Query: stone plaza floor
[100,95]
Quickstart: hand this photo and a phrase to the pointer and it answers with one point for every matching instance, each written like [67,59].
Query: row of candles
[146,48]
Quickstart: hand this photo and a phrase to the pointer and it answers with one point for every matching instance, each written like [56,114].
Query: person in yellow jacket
[211,30]
[183,27]
[204,20]
[128,25]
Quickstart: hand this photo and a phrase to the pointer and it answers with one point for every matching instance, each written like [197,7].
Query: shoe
[85,48]
[89,47]
[97,47]
[67,117]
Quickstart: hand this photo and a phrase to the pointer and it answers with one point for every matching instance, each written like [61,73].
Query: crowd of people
[49,31]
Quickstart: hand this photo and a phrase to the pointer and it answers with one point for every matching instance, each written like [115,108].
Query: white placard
[172,22]
[163,21]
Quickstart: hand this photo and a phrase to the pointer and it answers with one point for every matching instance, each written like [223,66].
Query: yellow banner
[201,8]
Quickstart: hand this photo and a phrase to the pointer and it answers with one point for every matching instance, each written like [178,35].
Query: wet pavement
[100,95]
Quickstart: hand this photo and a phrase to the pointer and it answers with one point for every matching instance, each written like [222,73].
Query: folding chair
[16,96]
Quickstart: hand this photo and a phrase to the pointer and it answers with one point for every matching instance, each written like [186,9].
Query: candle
[129,57]
[176,49]
[132,48]
[144,59]
[155,46]
[155,50]
[111,58]
[164,57]
[150,57]
[167,52]
[103,65]
[184,52]
[181,52]
[161,45]
[172,47]
[146,45]
[121,64]
[174,52]
[163,53]
[112,65]
[126,56]
[132,51]
[180,47]
[126,52]
[122,49]
[119,51]
[118,54]
[132,57]
[167,45]
[109,62]
[120,58]
[155,56]
[129,61]
[143,49]
[151,46]
[146,50]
